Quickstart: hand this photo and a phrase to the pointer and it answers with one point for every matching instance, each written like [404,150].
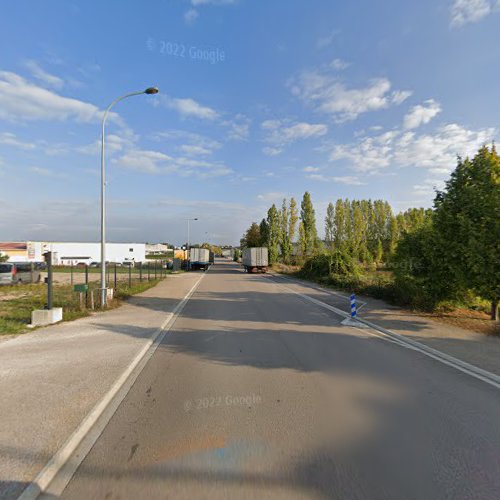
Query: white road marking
[59,470]
[474,371]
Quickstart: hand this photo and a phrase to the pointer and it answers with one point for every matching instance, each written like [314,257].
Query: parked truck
[199,258]
[255,260]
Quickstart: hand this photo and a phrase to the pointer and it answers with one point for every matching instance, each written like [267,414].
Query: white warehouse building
[66,253]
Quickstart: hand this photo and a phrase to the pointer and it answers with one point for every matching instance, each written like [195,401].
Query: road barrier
[353,306]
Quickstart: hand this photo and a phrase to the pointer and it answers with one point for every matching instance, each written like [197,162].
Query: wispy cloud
[10,139]
[271,197]
[280,133]
[45,172]
[327,40]
[43,76]
[339,64]
[21,100]
[436,152]
[190,16]
[421,114]
[311,169]
[156,162]
[327,94]
[471,11]
[346,179]
[189,108]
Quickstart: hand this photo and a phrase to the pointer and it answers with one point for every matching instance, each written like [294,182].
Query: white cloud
[329,95]
[114,144]
[10,139]
[188,107]
[428,187]
[370,153]
[470,11]
[283,132]
[45,172]
[339,64]
[190,16]
[327,40]
[311,169]
[155,162]
[271,197]
[346,179]
[44,76]
[21,100]
[193,150]
[436,152]
[421,114]
[238,127]
[190,138]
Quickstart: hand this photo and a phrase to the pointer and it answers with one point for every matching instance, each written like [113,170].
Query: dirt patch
[467,319]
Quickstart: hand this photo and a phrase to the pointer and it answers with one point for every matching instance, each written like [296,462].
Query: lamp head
[151,90]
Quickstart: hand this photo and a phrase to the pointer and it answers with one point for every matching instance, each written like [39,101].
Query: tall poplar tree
[330,225]
[308,218]
[274,233]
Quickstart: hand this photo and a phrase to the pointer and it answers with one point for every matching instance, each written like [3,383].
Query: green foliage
[274,233]
[252,237]
[467,219]
[308,219]
[337,262]
[237,255]
[330,225]
[4,258]
[264,233]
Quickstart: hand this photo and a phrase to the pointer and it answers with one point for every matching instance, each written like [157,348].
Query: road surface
[258,393]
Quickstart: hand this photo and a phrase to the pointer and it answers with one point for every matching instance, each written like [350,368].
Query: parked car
[95,264]
[128,263]
[13,273]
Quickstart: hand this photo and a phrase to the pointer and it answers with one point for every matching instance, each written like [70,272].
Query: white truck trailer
[199,258]
[255,260]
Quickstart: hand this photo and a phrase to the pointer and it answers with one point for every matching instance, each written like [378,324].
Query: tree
[285,244]
[264,233]
[302,240]
[4,258]
[467,219]
[252,237]
[293,218]
[358,230]
[274,236]
[308,219]
[330,225]
[340,224]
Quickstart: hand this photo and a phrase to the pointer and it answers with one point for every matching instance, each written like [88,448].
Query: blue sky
[259,100]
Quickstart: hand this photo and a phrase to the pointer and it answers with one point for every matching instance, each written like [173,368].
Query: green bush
[336,262]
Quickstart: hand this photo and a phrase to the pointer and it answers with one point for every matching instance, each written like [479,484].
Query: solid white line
[359,303]
[474,371]
[88,430]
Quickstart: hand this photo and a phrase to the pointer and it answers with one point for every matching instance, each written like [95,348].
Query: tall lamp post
[188,221]
[104,294]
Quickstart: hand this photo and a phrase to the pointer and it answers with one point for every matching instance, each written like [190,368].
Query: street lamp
[188,221]
[104,296]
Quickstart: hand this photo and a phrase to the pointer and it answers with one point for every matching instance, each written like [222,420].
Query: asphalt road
[258,393]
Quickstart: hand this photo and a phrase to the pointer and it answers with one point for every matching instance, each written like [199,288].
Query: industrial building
[73,253]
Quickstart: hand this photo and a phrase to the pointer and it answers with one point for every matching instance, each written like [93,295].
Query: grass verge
[17,302]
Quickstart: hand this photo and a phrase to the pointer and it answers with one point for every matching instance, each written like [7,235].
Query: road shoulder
[471,347]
